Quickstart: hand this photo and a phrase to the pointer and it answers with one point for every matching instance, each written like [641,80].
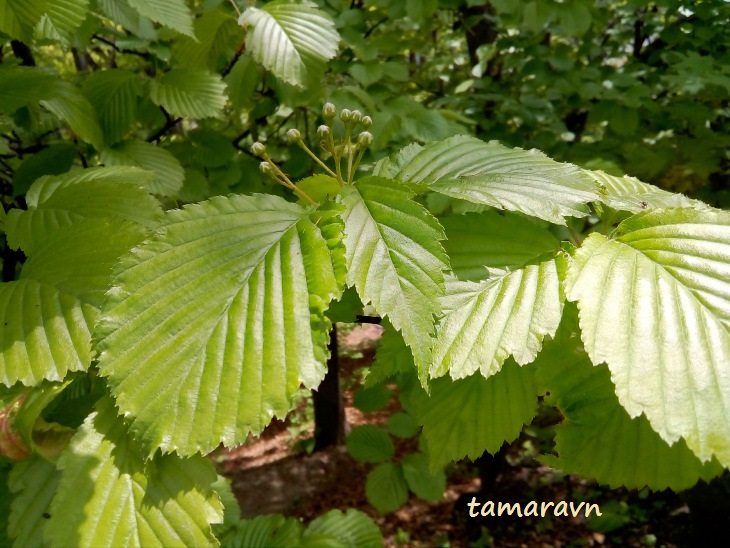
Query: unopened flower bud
[365,138]
[356,116]
[258,149]
[294,135]
[366,122]
[323,131]
[346,115]
[329,111]
[265,167]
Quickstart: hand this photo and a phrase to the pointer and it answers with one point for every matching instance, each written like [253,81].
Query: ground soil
[269,476]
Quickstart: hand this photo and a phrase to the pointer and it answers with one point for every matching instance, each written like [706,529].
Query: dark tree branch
[169,124]
[375,26]
[23,52]
[229,67]
[145,55]
[368,319]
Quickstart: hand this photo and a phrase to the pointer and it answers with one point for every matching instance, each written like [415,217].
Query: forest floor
[273,474]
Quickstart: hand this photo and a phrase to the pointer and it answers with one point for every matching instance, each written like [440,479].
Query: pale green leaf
[238,286]
[485,323]
[170,174]
[351,529]
[190,93]
[121,13]
[425,484]
[291,40]
[597,438]
[395,259]
[491,174]
[216,35]
[110,496]
[629,194]
[113,93]
[173,14]
[477,242]
[466,417]
[34,483]
[55,202]
[19,17]
[655,306]
[386,488]
[72,107]
[368,443]
[44,333]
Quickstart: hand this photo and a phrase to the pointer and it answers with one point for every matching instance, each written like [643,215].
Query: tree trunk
[329,409]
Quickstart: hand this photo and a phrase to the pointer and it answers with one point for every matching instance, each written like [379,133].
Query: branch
[23,52]
[368,319]
[145,55]
[169,124]
[239,51]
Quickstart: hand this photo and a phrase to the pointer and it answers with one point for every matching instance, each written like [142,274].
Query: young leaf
[425,484]
[466,417]
[655,306]
[491,174]
[72,107]
[273,531]
[190,93]
[34,483]
[485,323]
[212,325]
[291,40]
[174,14]
[216,33]
[170,174]
[393,357]
[394,259]
[166,501]
[62,18]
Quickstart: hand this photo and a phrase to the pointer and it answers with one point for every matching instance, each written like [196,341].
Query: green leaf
[46,333]
[242,81]
[5,500]
[351,529]
[392,357]
[173,14]
[19,17]
[72,107]
[170,174]
[629,194]
[368,443]
[491,174]
[386,488]
[274,531]
[372,398]
[425,484]
[394,259]
[320,187]
[24,86]
[114,93]
[402,425]
[55,202]
[485,323]
[216,34]
[476,243]
[63,17]
[466,417]
[165,501]
[239,287]
[655,306]
[190,93]
[54,160]
[120,12]
[34,483]
[79,259]
[597,438]
[291,40]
